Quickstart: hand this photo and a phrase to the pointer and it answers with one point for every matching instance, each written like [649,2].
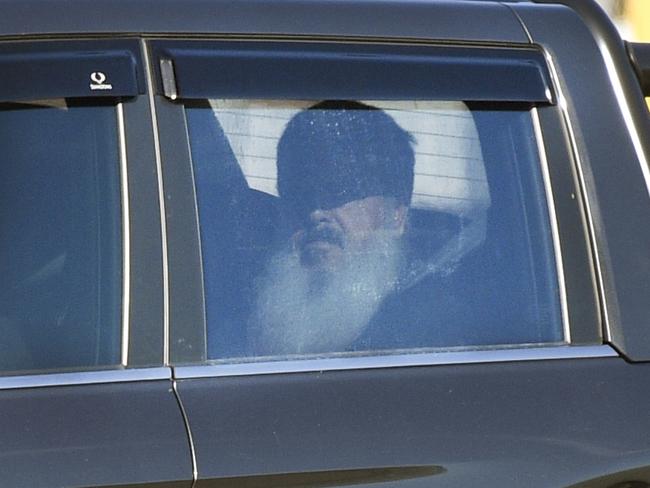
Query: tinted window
[60,254]
[348,227]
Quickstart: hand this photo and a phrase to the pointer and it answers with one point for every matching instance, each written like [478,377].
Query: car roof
[480,20]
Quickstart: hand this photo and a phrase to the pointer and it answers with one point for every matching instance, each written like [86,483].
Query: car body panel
[440,19]
[472,425]
[614,171]
[106,434]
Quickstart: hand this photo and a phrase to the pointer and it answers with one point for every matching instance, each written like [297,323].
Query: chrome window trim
[84,378]
[589,217]
[485,356]
[126,236]
[161,192]
[552,215]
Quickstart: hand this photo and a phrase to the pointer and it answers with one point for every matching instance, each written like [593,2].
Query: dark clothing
[467,307]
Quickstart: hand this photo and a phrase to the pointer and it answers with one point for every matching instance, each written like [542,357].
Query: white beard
[300,310]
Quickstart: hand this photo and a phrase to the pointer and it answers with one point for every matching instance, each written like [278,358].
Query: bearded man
[345,180]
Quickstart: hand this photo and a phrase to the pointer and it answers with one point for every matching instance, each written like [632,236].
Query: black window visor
[295,70]
[59,69]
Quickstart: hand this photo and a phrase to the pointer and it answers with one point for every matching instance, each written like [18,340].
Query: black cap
[338,151]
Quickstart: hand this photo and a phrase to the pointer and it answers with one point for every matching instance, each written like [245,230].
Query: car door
[85,396]
[486,361]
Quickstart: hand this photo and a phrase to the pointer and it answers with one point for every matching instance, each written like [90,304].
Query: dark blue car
[316,243]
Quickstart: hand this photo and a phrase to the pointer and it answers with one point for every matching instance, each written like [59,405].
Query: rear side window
[368,199]
[60,221]
[347,227]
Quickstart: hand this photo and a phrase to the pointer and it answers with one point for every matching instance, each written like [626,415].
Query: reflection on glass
[60,257]
[348,227]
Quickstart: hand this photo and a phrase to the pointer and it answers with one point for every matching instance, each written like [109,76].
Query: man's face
[327,235]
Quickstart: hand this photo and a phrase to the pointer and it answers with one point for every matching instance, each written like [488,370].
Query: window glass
[366,227]
[60,221]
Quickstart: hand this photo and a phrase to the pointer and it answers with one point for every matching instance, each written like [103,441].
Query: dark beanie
[338,151]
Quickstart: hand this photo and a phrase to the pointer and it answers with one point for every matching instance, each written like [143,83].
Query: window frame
[141,335]
[568,221]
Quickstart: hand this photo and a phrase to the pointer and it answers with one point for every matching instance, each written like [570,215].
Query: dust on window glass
[364,227]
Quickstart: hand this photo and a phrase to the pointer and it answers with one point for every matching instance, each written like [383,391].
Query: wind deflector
[301,70]
[49,70]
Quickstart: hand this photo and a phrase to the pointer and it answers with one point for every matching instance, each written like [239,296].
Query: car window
[348,227]
[60,219]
